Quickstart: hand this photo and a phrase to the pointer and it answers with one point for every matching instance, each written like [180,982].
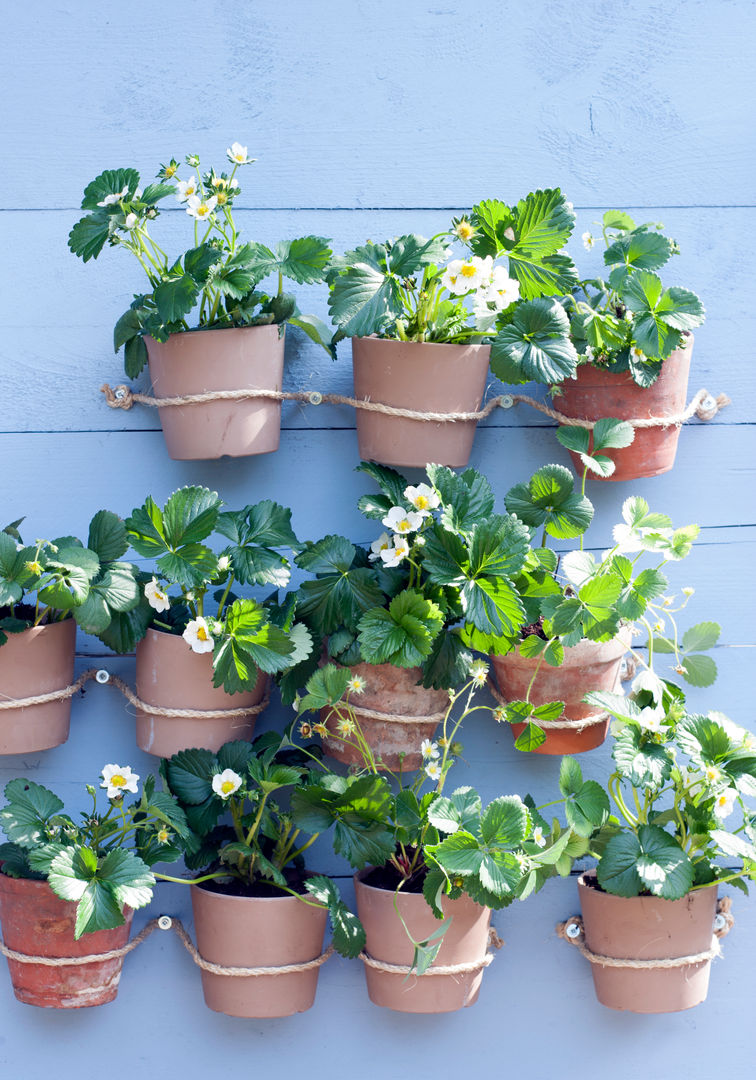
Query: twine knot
[119,398]
[709,406]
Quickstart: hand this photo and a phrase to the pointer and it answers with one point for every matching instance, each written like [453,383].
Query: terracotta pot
[426,377]
[37,922]
[589,665]
[241,931]
[389,689]
[36,661]
[595,394]
[237,358]
[465,941]
[168,673]
[648,928]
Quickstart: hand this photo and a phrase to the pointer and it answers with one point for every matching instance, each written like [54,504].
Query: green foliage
[549,500]
[535,346]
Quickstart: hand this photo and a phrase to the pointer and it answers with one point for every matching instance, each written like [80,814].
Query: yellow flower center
[422,502]
[465,230]
[202,634]
[404,524]
[468,270]
[170,170]
[118,780]
[227,787]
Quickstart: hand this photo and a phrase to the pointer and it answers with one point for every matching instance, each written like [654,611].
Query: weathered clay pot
[589,665]
[595,394]
[395,690]
[168,673]
[36,661]
[197,361]
[240,931]
[426,377]
[38,923]
[465,941]
[648,928]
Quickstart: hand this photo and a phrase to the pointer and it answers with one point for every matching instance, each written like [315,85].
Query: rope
[395,718]
[556,725]
[436,969]
[703,405]
[572,931]
[102,676]
[165,922]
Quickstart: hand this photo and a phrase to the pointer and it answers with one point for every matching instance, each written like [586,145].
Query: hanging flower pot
[589,665]
[406,713]
[36,922]
[170,675]
[645,929]
[195,362]
[594,394]
[268,932]
[36,661]
[463,947]
[424,377]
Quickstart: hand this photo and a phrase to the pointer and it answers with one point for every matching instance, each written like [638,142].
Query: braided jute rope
[714,950]
[436,969]
[166,922]
[556,725]
[102,676]
[703,405]
[395,718]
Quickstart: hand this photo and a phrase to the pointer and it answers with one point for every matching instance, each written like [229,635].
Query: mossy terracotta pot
[36,922]
[169,674]
[390,690]
[595,394]
[464,943]
[589,665]
[648,928]
[425,377]
[36,661]
[242,931]
[198,361]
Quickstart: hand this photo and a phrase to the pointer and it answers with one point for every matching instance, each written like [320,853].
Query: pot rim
[582,884]
[621,640]
[217,330]
[284,898]
[476,345]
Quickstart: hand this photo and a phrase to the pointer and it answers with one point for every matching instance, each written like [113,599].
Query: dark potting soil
[534,629]
[260,890]
[386,877]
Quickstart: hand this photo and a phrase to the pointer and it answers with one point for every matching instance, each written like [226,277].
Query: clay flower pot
[589,665]
[243,931]
[394,690]
[36,661]
[465,942]
[425,377]
[648,928]
[197,361]
[595,394]
[169,674]
[38,923]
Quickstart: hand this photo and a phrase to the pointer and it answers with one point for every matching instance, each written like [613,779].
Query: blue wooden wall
[370,120]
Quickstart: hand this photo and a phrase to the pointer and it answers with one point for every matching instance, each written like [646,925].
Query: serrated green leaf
[703,635]
[535,346]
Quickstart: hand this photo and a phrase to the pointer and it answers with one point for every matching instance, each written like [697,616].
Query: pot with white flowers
[203,325]
[631,346]
[47,590]
[396,614]
[418,346]
[190,662]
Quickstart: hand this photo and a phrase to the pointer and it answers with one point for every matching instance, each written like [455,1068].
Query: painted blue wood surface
[415,109]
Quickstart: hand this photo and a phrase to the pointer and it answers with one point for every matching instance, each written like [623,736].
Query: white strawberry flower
[538,838]
[156,598]
[186,189]
[724,803]
[131,220]
[500,291]
[383,543]
[650,719]
[357,684]
[111,200]
[226,783]
[233,183]
[465,276]
[479,672]
[423,498]
[393,556]
[402,521]
[198,636]
[196,208]
[637,354]
[118,779]
[588,240]
[237,154]
[433,770]
[429,749]
[223,563]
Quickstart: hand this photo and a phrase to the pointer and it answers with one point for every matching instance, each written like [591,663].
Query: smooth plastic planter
[36,661]
[465,942]
[595,394]
[38,923]
[169,674]
[589,665]
[241,931]
[648,928]
[197,361]
[425,377]
[389,689]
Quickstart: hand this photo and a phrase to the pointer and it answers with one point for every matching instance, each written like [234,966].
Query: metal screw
[120,394]
[165,922]
[709,402]
[572,930]
[316,398]
[720,922]
[506,401]
[102,676]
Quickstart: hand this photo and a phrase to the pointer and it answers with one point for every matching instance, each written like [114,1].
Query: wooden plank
[53,361]
[343,90]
